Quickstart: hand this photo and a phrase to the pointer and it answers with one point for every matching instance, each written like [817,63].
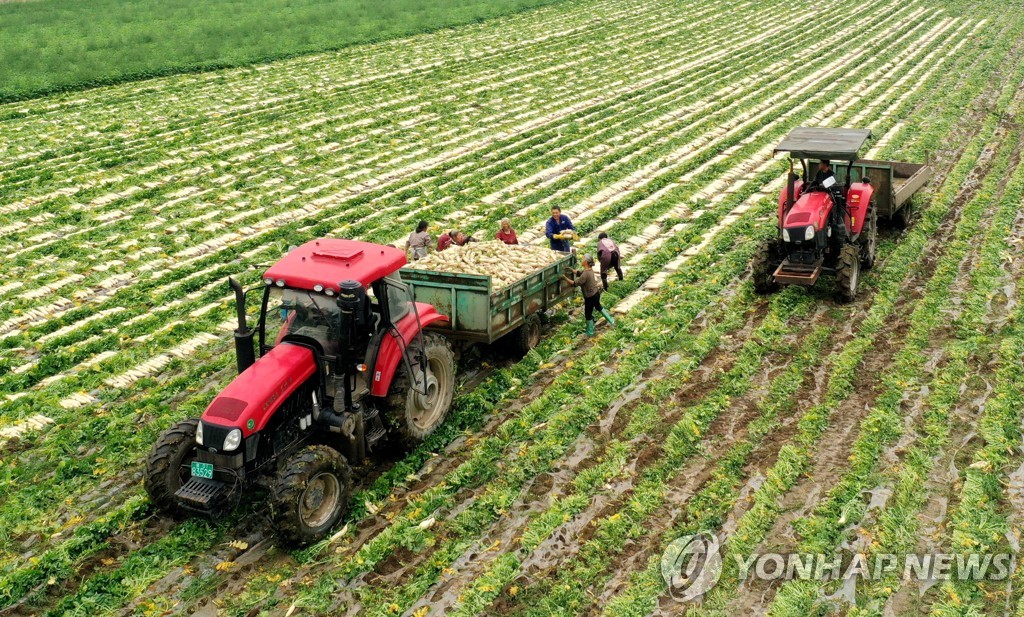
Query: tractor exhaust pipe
[245,354]
[790,189]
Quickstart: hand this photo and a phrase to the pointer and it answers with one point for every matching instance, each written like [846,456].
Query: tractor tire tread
[848,273]
[395,405]
[760,267]
[870,244]
[162,458]
[289,484]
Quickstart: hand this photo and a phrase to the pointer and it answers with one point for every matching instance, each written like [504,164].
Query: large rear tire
[848,273]
[165,466]
[310,494]
[763,264]
[526,336]
[413,413]
[869,240]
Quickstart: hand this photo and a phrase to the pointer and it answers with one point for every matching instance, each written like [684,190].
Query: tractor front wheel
[848,273]
[414,410]
[869,240]
[763,264]
[165,467]
[310,494]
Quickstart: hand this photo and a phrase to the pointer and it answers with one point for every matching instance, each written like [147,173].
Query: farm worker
[418,241]
[586,280]
[559,230]
[608,255]
[506,234]
[824,171]
[445,240]
[462,239]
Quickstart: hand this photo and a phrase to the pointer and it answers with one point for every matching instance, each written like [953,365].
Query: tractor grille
[214,435]
[200,492]
[226,461]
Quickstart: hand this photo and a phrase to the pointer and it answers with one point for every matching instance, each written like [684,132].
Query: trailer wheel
[416,412]
[762,266]
[310,494]
[904,216]
[848,273]
[526,336]
[869,240]
[165,465]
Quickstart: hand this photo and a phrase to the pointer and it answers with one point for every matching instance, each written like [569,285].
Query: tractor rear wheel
[310,494]
[526,336]
[763,264]
[165,467]
[414,411]
[869,240]
[848,273]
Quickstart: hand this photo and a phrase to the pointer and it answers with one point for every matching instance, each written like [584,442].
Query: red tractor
[345,362]
[828,220]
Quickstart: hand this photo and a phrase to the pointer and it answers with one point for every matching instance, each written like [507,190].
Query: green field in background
[53,45]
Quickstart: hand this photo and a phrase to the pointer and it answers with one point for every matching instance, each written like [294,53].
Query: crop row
[102,371]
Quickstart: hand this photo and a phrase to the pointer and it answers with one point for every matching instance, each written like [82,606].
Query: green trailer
[479,314]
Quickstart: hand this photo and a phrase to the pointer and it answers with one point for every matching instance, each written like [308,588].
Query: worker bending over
[453,237]
[608,255]
[586,280]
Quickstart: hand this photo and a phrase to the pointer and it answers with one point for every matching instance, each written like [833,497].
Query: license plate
[202,470]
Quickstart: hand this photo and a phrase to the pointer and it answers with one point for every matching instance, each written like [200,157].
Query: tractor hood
[252,398]
[809,209]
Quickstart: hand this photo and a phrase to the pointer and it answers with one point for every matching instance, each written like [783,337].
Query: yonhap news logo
[692,565]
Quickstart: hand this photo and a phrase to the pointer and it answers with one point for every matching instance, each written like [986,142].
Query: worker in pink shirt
[608,255]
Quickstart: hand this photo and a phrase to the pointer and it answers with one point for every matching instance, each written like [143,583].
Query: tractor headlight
[199,433]
[233,440]
[785,235]
[809,234]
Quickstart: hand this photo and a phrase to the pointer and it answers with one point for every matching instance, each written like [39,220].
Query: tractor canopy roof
[824,143]
[329,261]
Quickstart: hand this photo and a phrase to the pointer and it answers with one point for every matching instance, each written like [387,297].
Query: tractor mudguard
[251,399]
[390,354]
[798,187]
[857,202]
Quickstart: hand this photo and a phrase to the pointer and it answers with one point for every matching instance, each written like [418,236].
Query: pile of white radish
[504,263]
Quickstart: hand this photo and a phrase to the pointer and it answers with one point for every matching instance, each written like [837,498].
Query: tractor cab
[826,223]
[343,363]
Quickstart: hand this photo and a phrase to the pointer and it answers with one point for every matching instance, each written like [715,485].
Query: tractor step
[375,430]
[200,492]
[789,273]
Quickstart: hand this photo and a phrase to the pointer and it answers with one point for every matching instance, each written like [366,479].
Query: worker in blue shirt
[559,230]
